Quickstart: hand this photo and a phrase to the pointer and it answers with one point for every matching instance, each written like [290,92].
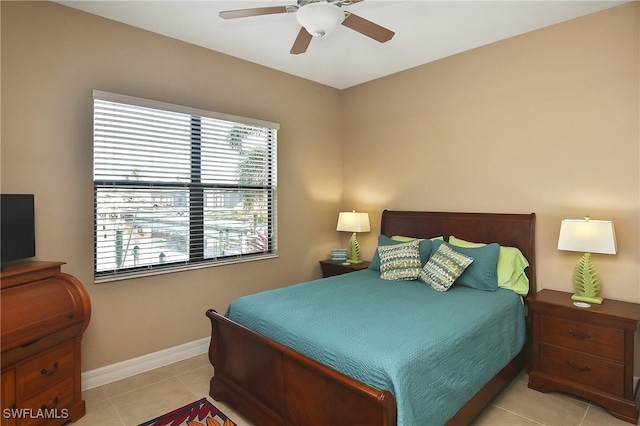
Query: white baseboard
[131,367]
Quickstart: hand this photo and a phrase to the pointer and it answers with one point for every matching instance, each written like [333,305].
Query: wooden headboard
[514,230]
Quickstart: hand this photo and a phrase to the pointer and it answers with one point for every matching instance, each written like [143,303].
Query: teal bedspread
[431,350]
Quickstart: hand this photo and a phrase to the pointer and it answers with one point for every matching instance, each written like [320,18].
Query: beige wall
[52,59]
[545,122]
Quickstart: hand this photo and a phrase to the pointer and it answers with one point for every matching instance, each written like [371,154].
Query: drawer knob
[46,372]
[579,369]
[579,336]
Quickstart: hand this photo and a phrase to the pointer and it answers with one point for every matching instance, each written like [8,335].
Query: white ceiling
[425,30]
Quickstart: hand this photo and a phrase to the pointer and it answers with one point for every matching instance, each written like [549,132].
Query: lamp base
[586,281]
[353,251]
[596,300]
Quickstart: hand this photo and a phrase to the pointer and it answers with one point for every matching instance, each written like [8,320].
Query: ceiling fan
[317,18]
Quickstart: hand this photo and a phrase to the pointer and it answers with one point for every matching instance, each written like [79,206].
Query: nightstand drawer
[593,339]
[583,368]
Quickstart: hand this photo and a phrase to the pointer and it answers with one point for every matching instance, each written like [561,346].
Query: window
[178,188]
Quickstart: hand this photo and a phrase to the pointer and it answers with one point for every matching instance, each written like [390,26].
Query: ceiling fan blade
[244,13]
[301,43]
[367,28]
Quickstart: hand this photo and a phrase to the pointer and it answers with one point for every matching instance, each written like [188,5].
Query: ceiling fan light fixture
[320,18]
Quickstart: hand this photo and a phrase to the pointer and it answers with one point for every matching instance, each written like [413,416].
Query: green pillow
[402,238]
[482,273]
[511,266]
[424,248]
[405,239]
[400,261]
[444,267]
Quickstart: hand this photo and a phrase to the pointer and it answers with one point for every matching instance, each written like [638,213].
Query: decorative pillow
[383,240]
[444,267]
[482,274]
[405,239]
[511,266]
[400,261]
[424,247]
[402,238]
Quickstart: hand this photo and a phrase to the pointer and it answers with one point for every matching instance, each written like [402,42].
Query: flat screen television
[17,233]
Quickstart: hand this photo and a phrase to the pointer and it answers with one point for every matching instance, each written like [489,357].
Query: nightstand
[337,267]
[586,352]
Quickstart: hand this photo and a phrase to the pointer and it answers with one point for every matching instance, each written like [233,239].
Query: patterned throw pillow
[444,267]
[424,248]
[400,261]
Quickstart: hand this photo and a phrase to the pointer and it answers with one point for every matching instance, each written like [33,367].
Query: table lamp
[588,236]
[353,222]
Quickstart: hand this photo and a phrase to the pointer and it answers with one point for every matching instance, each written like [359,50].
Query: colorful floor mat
[198,413]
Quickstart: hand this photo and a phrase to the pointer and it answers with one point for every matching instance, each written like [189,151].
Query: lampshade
[588,236]
[319,19]
[353,222]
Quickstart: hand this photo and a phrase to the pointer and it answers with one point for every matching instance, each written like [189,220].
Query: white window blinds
[178,188]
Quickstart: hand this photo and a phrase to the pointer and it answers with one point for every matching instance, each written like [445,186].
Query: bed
[377,375]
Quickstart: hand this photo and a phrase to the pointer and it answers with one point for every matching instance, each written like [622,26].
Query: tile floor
[145,396]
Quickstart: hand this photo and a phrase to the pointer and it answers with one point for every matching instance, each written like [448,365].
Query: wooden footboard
[273,385]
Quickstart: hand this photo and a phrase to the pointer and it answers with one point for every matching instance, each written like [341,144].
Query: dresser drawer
[583,368]
[45,369]
[593,339]
[51,405]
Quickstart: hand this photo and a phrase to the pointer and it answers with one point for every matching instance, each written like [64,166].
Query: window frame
[195,188]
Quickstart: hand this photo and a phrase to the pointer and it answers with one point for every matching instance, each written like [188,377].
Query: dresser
[44,313]
[585,351]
